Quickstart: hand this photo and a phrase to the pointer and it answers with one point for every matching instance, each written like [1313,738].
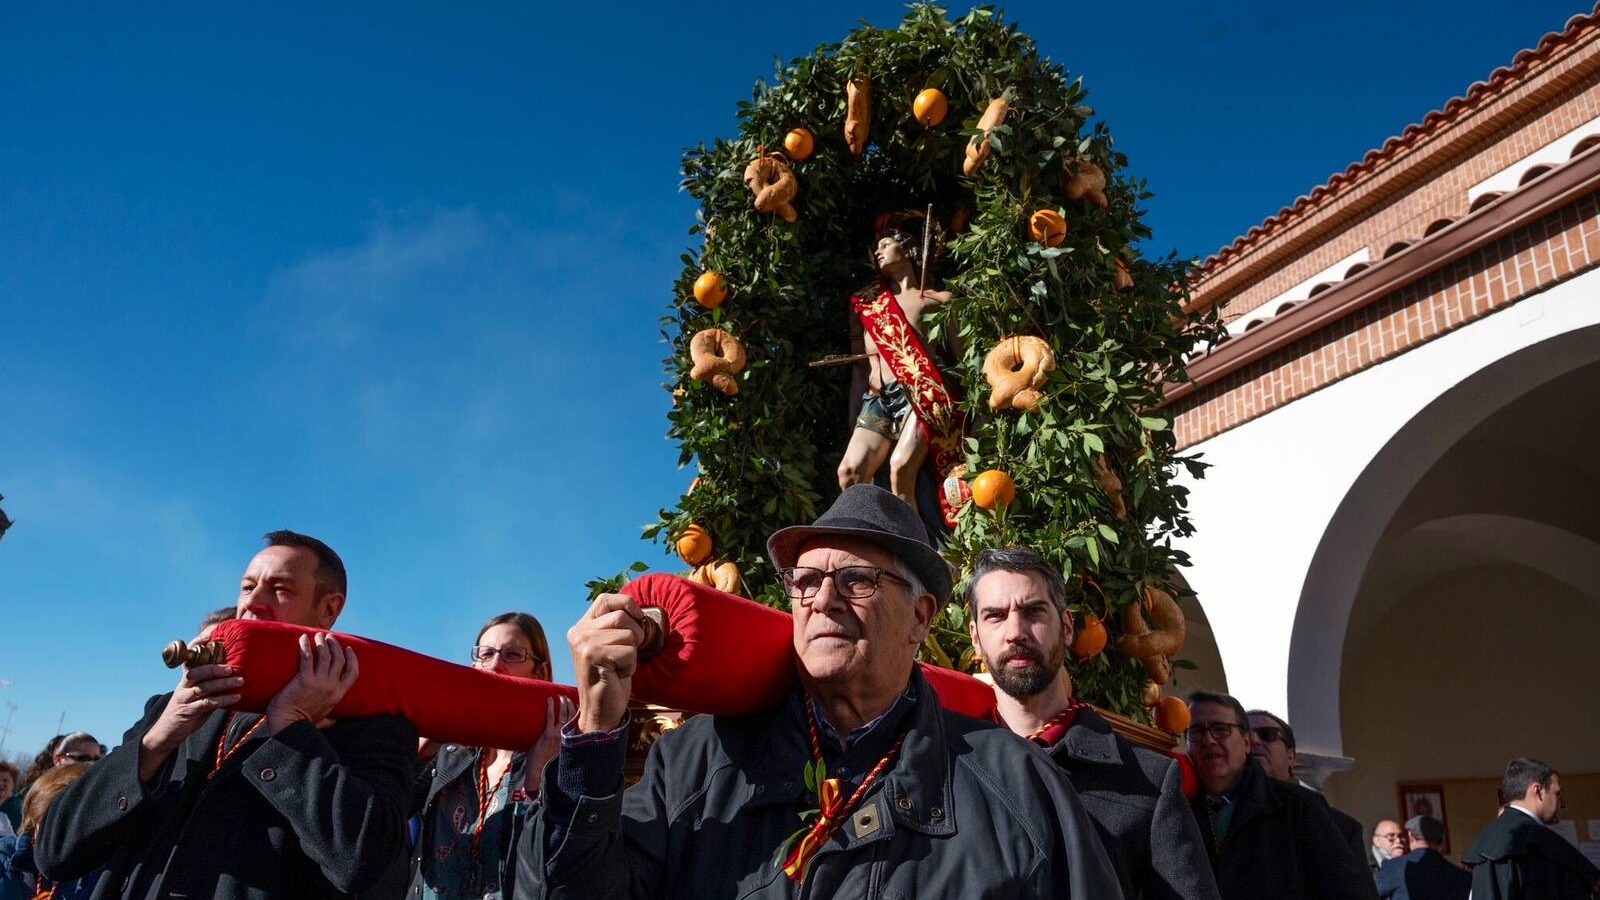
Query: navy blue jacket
[1423,875]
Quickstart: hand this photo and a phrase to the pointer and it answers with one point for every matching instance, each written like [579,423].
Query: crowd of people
[859,784]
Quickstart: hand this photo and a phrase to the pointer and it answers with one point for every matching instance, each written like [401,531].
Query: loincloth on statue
[885,412]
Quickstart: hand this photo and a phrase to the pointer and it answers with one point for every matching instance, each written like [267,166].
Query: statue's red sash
[908,361]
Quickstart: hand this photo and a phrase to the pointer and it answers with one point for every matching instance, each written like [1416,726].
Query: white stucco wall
[1277,482]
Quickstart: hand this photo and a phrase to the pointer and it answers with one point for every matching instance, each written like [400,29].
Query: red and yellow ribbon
[831,813]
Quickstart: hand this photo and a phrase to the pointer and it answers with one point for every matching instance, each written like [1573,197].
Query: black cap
[870,513]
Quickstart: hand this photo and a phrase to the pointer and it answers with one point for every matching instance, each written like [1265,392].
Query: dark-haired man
[1020,623]
[200,802]
[1518,856]
[1272,746]
[1268,838]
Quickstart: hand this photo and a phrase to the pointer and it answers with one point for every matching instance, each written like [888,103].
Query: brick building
[1398,536]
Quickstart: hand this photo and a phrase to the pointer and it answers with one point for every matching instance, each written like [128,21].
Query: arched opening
[1436,226]
[1319,287]
[1484,200]
[1284,307]
[1447,618]
[1533,173]
[1584,145]
[1395,248]
[1254,323]
[1356,269]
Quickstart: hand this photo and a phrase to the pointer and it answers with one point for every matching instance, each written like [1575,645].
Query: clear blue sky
[392,277]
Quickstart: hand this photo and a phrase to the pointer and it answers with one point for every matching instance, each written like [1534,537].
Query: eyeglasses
[83,757]
[509,655]
[854,582]
[1270,733]
[1218,731]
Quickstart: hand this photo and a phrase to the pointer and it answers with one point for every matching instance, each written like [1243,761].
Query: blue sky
[391,275]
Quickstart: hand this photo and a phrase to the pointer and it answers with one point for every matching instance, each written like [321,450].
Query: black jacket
[1423,875]
[306,813]
[1282,844]
[966,810]
[453,762]
[1516,857]
[1135,798]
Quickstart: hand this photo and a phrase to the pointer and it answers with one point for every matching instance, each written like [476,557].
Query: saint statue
[906,409]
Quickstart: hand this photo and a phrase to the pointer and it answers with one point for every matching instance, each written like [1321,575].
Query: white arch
[1269,582]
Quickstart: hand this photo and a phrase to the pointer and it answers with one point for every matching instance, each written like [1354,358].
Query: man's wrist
[588,724]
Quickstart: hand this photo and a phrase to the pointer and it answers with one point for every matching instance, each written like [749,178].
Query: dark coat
[1282,845]
[1516,857]
[451,763]
[305,813]
[1135,798]
[965,811]
[1355,836]
[1423,875]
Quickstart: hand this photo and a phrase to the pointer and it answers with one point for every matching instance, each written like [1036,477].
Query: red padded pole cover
[447,702]
[729,656]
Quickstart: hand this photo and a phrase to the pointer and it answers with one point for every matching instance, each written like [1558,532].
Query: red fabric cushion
[729,656]
[447,702]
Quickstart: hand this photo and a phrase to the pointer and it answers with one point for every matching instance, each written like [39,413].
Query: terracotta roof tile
[1497,82]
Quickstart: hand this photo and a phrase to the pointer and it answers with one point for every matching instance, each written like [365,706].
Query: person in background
[1518,856]
[19,876]
[1272,746]
[1423,873]
[1388,842]
[471,801]
[63,749]
[10,775]
[212,620]
[1268,838]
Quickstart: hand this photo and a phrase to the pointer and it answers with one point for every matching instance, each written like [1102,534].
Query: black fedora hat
[870,513]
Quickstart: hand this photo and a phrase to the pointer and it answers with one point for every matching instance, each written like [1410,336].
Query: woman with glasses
[470,802]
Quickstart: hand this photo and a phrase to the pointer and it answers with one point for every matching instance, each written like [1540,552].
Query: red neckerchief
[1054,730]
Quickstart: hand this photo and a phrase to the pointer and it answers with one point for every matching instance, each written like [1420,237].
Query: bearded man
[1020,623]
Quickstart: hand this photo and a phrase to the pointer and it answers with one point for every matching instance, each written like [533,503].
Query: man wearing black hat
[1423,873]
[914,801]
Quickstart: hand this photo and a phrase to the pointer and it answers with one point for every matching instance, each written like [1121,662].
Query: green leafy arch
[766,457]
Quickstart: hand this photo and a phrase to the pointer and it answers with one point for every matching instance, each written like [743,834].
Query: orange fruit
[930,107]
[1172,715]
[993,488]
[1090,639]
[694,545]
[1047,227]
[710,290]
[799,143]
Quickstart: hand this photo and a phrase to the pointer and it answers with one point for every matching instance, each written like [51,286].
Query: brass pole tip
[175,654]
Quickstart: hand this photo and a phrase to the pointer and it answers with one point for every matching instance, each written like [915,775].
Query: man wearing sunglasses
[1272,747]
[1020,624]
[857,785]
[1268,838]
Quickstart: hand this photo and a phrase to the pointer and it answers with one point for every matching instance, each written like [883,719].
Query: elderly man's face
[1389,838]
[866,643]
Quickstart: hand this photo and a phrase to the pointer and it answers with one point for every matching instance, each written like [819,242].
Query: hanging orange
[1172,715]
[694,545]
[710,290]
[993,488]
[1090,639]
[930,107]
[799,144]
[1047,227]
